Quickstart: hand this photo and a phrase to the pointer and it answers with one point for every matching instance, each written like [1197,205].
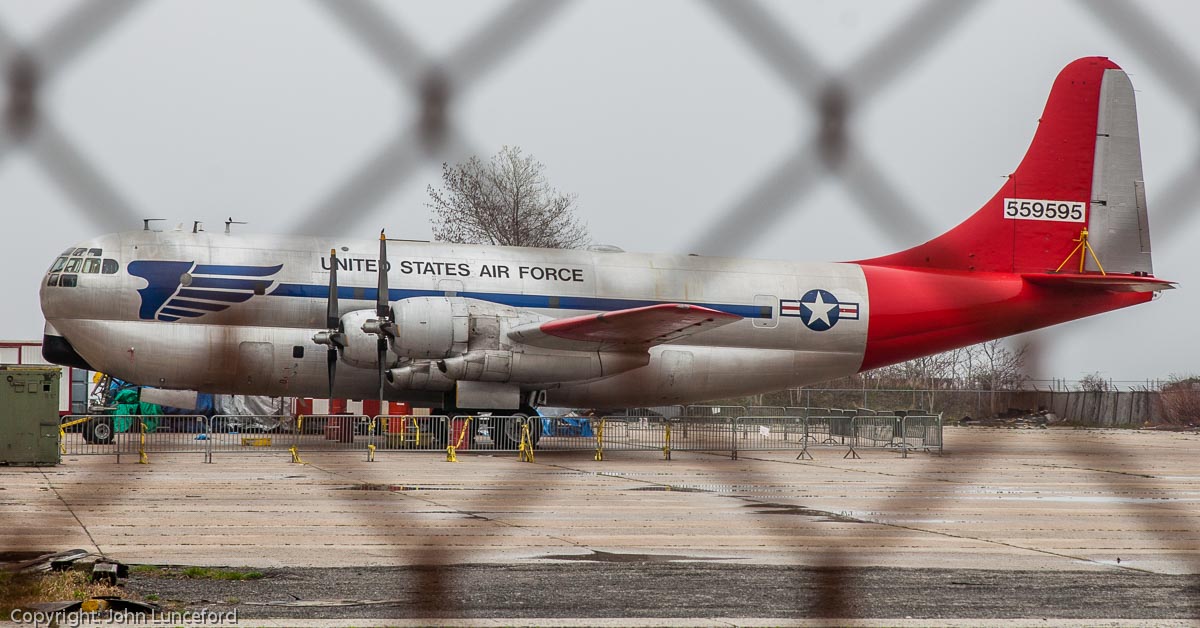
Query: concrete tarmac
[1111,510]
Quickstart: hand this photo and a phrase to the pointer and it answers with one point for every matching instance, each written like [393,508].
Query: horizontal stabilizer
[1110,282]
[635,328]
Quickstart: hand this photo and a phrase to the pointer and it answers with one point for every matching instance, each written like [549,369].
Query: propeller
[332,336]
[383,326]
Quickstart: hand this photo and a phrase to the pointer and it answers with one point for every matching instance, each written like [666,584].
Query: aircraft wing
[635,328]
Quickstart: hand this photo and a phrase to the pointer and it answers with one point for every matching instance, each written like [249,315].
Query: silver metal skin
[121,323]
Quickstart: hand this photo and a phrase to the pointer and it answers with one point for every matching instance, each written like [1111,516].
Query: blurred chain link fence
[434,84]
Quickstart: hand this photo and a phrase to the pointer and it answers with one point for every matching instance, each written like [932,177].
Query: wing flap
[635,328]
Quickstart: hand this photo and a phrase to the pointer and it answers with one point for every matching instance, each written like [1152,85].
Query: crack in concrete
[50,484]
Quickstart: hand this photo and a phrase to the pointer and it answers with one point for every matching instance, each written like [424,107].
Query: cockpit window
[109,266]
[73,264]
[94,252]
[91,265]
[68,281]
[78,251]
[52,280]
[58,264]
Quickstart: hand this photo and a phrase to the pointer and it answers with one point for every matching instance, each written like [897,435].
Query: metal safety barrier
[144,435]
[131,434]
[921,432]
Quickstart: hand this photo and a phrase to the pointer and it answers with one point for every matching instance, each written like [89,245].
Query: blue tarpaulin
[566,426]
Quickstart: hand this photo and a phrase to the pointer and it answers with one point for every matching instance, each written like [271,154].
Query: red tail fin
[1082,171]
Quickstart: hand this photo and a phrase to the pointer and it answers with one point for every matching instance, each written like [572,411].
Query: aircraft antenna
[230,222]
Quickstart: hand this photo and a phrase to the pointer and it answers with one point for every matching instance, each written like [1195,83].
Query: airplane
[471,328]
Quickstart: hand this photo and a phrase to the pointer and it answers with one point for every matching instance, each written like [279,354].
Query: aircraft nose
[74,268]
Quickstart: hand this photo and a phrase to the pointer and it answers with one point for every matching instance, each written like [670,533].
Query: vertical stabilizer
[1083,171]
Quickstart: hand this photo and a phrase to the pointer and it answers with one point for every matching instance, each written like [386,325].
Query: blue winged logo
[179,290]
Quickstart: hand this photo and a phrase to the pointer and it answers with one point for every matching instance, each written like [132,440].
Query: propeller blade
[382,350]
[332,315]
[331,361]
[381,299]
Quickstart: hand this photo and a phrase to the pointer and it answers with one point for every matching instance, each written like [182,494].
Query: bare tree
[505,200]
[1181,399]
[1000,368]
[1094,382]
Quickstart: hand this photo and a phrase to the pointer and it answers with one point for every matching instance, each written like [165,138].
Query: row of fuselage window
[66,269]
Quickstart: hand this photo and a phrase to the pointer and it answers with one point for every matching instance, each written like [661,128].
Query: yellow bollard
[371,453]
[667,442]
[296,455]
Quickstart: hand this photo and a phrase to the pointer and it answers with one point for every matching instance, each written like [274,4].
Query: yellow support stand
[667,443]
[62,432]
[600,441]
[142,458]
[451,455]
[371,445]
[299,430]
[526,449]
[1083,248]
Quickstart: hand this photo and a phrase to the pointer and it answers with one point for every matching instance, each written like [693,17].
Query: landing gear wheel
[99,430]
[535,427]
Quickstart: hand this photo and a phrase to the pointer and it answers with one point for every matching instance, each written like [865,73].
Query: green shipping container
[29,415]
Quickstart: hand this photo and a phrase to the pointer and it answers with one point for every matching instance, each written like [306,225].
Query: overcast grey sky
[657,114]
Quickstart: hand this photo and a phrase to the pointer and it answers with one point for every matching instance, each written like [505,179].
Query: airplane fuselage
[261,342]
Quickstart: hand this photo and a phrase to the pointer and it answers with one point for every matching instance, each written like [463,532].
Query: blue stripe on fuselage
[237,271]
[536,301]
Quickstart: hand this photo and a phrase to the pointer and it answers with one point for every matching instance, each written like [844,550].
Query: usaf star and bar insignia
[819,310]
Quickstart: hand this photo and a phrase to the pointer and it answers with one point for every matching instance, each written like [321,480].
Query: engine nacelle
[419,375]
[361,349]
[431,327]
[539,368]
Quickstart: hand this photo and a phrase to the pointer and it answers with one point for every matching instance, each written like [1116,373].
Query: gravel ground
[626,587]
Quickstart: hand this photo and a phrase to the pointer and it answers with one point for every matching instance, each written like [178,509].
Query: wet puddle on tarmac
[400,488]
[671,489]
[792,509]
[719,488]
[616,557]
